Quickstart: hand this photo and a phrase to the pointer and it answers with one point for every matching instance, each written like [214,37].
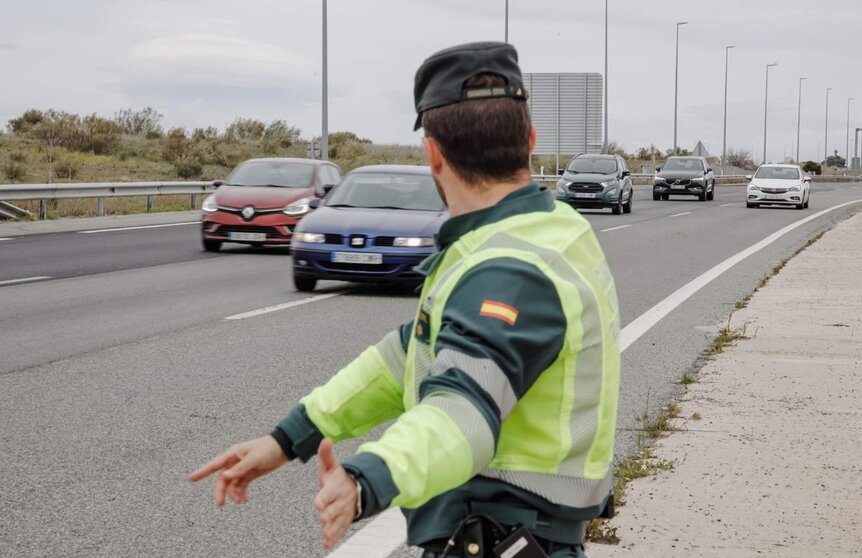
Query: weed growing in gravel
[727,336]
[687,379]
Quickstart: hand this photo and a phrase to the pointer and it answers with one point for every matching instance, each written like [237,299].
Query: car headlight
[699,180]
[298,207]
[753,186]
[563,183]
[612,183]
[794,189]
[412,242]
[612,192]
[561,191]
[209,205]
[311,238]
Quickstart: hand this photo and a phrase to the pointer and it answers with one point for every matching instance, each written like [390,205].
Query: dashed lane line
[726,204]
[24,280]
[283,306]
[615,228]
[2,239]
[680,214]
[94,231]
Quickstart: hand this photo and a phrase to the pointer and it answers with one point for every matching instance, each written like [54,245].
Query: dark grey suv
[684,176]
[596,181]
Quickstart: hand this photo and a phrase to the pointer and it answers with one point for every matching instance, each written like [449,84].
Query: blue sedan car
[375,226]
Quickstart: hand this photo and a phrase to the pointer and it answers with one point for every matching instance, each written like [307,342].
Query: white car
[779,185]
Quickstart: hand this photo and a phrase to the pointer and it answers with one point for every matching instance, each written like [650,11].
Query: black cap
[440,79]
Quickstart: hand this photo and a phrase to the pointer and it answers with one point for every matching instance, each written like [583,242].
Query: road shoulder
[24,228]
[773,466]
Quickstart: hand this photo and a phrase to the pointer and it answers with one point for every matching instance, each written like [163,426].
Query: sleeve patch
[498,310]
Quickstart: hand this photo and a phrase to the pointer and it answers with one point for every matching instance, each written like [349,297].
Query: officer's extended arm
[502,326]
[366,393]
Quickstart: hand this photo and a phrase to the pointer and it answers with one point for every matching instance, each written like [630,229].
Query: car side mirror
[314,203]
[748,177]
[560,172]
[327,188]
[218,183]
[708,170]
[658,169]
[626,173]
[807,178]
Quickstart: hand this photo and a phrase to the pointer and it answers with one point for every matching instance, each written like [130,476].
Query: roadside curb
[25,228]
[772,465]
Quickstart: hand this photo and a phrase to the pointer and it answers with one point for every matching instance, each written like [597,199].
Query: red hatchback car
[262,200]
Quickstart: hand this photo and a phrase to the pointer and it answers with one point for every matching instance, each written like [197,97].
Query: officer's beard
[440,190]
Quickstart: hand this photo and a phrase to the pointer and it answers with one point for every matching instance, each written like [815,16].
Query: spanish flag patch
[494,309]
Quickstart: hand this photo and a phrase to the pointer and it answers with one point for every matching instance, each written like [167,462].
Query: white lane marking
[615,228]
[681,214]
[380,537]
[726,204]
[2,239]
[24,280]
[140,227]
[643,323]
[277,307]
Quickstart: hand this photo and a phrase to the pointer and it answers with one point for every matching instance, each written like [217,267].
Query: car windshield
[593,165]
[777,173]
[692,165]
[272,173]
[386,191]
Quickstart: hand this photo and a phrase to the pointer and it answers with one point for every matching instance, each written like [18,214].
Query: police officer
[504,384]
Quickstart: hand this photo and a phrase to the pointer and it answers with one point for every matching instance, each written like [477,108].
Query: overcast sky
[204,62]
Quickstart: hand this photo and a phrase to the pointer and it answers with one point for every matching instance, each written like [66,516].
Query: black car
[684,176]
[597,181]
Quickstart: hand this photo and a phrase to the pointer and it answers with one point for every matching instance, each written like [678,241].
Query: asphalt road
[119,373]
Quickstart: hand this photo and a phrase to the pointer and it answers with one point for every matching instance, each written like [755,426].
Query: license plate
[584,195]
[677,187]
[249,237]
[773,197]
[357,258]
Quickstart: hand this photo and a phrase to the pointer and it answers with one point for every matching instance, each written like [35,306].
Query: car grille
[586,187]
[775,190]
[384,241]
[333,238]
[678,181]
[270,232]
[336,266]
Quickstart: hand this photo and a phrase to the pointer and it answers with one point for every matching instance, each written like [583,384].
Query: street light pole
[765,107]
[324,136]
[507,21]
[856,148]
[826,140]
[676,85]
[605,144]
[799,119]
[847,149]
[724,141]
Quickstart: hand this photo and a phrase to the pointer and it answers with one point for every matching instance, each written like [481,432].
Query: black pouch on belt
[520,544]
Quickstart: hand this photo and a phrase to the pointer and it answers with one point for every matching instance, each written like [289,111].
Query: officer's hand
[336,501]
[240,465]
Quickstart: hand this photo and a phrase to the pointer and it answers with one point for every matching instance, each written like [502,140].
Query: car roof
[596,155]
[685,157]
[315,162]
[779,165]
[400,169]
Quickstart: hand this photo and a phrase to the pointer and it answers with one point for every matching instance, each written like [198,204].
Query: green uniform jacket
[504,384]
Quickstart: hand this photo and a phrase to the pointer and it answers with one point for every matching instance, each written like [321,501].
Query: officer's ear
[433,154]
[532,138]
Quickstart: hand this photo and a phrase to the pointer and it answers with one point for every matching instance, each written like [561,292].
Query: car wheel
[750,205]
[618,208]
[655,196]
[806,204]
[665,197]
[304,283]
[711,194]
[211,245]
[627,207]
[702,195]
[800,205]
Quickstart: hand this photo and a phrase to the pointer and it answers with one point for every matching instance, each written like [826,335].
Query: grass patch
[687,379]
[726,337]
[696,416]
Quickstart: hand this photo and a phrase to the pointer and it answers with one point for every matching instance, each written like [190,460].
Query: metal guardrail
[102,190]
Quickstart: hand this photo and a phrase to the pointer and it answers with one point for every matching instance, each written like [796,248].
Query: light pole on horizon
[324,136]
[724,141]
[605,143]
[856,149]
[676,85]
[799,118]
[826,138]
[765,107]
[507,21]
[847,149]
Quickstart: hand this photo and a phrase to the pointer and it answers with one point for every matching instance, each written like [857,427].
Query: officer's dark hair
[483,140]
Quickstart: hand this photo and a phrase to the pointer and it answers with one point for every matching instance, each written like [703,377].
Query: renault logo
[247,212]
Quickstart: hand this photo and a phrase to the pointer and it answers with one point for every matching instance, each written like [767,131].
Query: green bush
[188,169]
[66,169]
[812,168]
[14,172]
[18,157]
